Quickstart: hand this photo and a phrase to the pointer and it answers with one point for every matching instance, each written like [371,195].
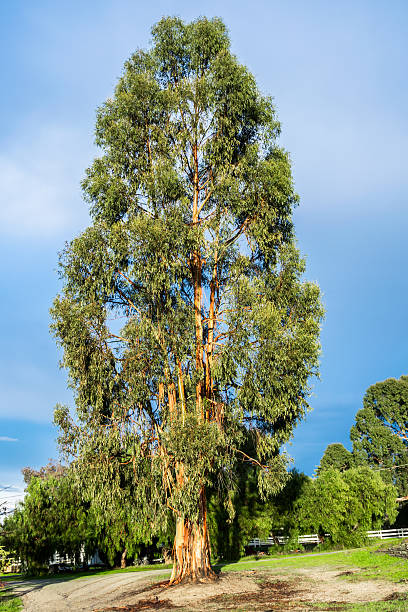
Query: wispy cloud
[7,439]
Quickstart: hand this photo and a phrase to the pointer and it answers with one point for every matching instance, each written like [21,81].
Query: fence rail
[313,538]
[389,533]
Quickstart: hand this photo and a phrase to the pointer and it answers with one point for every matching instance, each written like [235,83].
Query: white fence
[313,538]
[58,559]
[389,533]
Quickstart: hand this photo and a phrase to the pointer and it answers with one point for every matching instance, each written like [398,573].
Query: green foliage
[253,517]
[380,433]
[9,602]
[335,457]
[346,505]
[4,557]
[187,330]
[51,519]
[57,516]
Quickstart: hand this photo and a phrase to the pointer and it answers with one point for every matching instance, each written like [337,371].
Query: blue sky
[337,72]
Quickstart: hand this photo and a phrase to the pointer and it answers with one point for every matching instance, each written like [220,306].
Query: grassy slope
[373,566]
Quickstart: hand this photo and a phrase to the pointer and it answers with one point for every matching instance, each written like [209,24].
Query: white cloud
[7,439]
[40,174]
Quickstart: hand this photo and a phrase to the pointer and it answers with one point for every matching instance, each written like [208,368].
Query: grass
[9,603]
[369,606]
[372,566]
[380,606]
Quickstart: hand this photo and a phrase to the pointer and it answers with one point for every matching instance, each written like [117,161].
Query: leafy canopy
[52,518]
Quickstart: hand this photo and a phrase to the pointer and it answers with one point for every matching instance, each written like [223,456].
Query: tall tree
[188,333]
[380,433]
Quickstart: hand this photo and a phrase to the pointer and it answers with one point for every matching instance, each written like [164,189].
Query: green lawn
[374,606]
[380,606]
[9,603]
[372,566]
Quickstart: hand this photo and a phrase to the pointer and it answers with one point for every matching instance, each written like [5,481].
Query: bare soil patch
[145,604]
[191,596]
[331,585]
[266,590]
[263,591]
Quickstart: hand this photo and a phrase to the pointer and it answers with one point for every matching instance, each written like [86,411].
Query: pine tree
[187,330]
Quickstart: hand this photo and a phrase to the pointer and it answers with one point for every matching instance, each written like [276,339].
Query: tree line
[351,493]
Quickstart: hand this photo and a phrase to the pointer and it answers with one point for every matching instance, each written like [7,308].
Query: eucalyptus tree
[187,329]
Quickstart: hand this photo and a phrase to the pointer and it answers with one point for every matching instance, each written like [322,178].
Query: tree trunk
[192,548]
[123,559]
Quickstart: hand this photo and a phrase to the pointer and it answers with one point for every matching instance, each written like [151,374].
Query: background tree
[56,516]
[188,333]
[53,468]
[52,518]
[4,558]
[252,516]
[380,433]
[337,457]
[346,505]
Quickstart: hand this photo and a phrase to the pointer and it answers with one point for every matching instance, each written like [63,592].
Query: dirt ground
[255,590]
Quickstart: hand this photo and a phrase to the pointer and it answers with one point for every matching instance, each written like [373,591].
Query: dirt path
[254,590]
[83,594]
